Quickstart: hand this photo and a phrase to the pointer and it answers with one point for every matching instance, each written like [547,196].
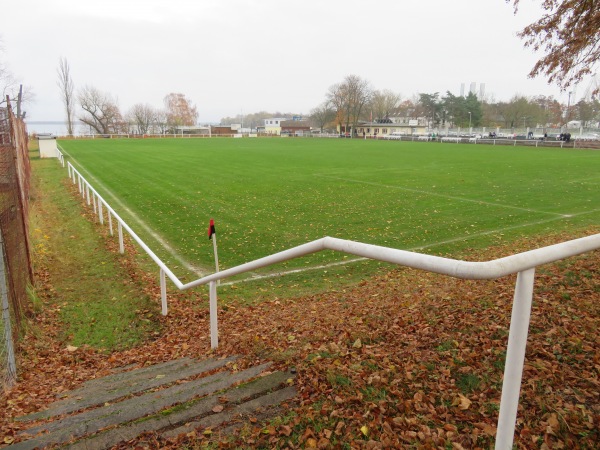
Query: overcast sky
[244,56]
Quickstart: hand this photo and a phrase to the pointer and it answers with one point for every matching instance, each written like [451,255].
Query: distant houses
[297,126]
[382,128]
[280,126]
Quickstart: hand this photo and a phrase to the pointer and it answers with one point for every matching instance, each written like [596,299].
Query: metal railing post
[515,359]
[163,292]
[100,213]
[110,227]
[214,327]
[121,246]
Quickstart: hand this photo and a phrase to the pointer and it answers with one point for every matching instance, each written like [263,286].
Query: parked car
[588,137]
[394,135]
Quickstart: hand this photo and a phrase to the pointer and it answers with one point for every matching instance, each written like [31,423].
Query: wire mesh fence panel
[14,194]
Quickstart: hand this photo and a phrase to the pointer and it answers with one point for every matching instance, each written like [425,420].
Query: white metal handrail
[523,264]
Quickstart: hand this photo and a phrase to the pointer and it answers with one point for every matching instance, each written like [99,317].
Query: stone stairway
[169,398]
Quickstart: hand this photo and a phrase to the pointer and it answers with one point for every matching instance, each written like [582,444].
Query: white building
[273,125]
[48,148]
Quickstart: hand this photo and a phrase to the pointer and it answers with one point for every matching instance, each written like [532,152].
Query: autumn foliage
[568,35]
[180,110]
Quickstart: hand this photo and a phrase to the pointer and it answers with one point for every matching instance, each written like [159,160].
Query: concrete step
[173,406]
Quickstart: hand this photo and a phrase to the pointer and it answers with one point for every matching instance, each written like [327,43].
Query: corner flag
[211,228]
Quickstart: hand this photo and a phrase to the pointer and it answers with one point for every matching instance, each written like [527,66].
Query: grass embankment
[98,303]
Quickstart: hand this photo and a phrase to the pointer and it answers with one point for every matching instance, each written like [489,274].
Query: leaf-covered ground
[405,360]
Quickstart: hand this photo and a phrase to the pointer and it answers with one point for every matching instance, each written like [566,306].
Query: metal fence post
[110,227]
[11,366]
[163,292]
[100,213]
[214,327]
[515,359]
[121,246]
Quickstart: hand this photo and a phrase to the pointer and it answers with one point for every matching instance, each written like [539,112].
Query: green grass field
[268,195]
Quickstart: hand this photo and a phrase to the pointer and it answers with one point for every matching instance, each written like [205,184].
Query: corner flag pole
[212,235]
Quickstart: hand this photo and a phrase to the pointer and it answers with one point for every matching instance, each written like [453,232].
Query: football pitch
[268,195]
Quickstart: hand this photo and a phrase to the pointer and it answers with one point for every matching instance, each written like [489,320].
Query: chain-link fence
[15,267]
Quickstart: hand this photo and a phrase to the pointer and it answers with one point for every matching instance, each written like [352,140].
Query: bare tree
[8,82]
[180,111]
[100,111]
[322,115]
[160,122]
[337,98]
[142,116]
[384,104]
[66,86]
[12,87]
[407,109]
[349,99]
[569,35]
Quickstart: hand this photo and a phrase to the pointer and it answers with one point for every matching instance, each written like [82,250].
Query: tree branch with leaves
[569,35]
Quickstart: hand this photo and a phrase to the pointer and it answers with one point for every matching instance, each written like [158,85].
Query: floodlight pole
[568,110]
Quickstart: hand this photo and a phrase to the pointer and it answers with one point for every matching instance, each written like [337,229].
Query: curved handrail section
[471,270]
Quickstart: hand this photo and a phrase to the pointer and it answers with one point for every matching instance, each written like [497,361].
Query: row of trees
[101,113]
[353,101]
[567,35]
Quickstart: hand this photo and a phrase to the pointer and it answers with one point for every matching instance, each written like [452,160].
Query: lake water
[57,128]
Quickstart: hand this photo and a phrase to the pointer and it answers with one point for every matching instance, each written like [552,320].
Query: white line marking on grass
[289,272]
[452,197]
[584,180]
[140,222]
[412,249]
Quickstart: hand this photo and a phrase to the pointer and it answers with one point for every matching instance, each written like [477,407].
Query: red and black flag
[211,228]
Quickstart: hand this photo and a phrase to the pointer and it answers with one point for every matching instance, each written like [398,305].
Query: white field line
[451,197]
[412,249]
[584,180]
[139,221]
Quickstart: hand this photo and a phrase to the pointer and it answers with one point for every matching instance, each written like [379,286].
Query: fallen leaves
[420,364]
[462,402]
